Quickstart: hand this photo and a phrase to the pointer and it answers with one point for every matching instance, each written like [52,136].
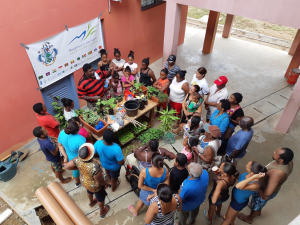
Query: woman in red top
[162,84]
[50,123]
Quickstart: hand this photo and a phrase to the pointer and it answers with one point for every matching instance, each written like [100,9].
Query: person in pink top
[188,149]
[116,85]
[83,132]
[127,79]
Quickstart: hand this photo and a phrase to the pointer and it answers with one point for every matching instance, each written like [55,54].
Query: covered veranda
[280,12]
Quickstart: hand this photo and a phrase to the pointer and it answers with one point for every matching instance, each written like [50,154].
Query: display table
[141,113]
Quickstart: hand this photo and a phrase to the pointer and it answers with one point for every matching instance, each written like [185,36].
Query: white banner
[62,54]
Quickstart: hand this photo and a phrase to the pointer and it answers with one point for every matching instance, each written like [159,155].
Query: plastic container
[132,108]
[142,104]
[293,76]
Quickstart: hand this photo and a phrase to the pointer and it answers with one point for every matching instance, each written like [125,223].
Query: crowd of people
[210,142]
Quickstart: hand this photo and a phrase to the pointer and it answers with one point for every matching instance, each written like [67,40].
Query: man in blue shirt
[192,193]
[238,143]
[111,158]
[171,67]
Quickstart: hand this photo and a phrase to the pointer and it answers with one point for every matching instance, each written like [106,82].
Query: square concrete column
[295,62]
[228,25]
[211,31]
[290,110]
[295,43]
[172,26]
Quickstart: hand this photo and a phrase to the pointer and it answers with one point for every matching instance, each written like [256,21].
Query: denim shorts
[237,206]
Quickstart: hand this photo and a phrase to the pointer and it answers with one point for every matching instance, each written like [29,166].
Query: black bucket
[142,104]
[131,107]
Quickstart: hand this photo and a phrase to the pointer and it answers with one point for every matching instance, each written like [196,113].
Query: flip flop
[130,211]
[223,216]
[205,215]
[107,207]
[242,219]
[68,181]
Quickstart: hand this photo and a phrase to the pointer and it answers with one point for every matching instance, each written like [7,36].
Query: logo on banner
[72,61]
[41,77]
[47,74]
[90,52]
[78,58]
[48,54]
[75,65]
[84,56]
[60,67]
[58,74]
[100,47]
[95,50]
[53,71]
[66,64]
[87,32]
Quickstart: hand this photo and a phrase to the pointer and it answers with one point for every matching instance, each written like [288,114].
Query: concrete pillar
[295,62]
[172,26]
[228,25]
[290,110]
[295,43]
[211,31]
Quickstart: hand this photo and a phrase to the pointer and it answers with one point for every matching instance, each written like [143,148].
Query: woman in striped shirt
[163,207]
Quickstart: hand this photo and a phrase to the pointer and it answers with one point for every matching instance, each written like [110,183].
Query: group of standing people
[208,142]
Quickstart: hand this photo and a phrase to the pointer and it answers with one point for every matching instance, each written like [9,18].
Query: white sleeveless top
[176,93]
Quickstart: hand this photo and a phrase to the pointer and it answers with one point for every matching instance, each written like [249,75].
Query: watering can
[7,169]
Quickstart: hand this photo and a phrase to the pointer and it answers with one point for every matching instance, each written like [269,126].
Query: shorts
[257,203]
[57,166]
[76,173]
[236,205]
[144,195]
[163,104]
[115,174]
[176,106]
[219,201]
[100,195]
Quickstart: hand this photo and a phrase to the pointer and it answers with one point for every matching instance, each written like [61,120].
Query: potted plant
[90,119]
[137,89]
[59,110]
[162,97]
[109,105]
[153,94]
[167,120]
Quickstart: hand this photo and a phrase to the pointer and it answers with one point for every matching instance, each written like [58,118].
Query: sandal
[240,216]
[205,215]
[129,207]
[68,181]
[223,216]
[173,132]
[107,207]
[175,126]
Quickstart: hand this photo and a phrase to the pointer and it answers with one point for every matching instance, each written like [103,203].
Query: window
[146,4]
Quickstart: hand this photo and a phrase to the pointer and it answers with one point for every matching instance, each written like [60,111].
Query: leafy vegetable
[162,97]
[59,110]
[167,120]
[90,117]
[152,90]
[124,135]
[137,129]
[151,133]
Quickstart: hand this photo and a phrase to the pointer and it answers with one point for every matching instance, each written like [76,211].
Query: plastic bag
[126,93]
[99,126]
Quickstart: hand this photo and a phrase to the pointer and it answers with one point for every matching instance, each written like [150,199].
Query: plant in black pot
[136,89]
[153,91]
[109,105]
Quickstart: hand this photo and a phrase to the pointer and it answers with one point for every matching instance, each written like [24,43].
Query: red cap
[98,71]
[221,80]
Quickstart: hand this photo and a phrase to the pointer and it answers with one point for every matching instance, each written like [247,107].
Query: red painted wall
[125,27]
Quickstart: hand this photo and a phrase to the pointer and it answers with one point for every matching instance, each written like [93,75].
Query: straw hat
[85,155]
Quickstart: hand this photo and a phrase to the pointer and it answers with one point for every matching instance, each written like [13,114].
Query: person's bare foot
[132,210]
[67,180]
[94,202]
[119,182]
[244,218]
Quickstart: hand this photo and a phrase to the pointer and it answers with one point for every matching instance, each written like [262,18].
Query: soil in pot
[145,102]
[142,105]
[111,111]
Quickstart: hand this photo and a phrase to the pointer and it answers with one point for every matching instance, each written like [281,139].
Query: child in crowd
[68,110]
[133,66]
[186,126]
[162,84]
[83,132]
[188,149]
[103,65]
[194,101]
[50,123]
[193,129]
[118,63]
[116,85]
[51,151]
[179,172]
[127,79]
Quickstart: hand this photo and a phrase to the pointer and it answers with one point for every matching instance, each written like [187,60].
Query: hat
[172,58]
[91,152]
[213,130]
[221,80]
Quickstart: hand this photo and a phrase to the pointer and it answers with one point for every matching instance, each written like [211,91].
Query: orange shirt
[49,124]
[162,83]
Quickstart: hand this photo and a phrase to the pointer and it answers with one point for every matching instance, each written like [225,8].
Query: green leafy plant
[137,129]
[167,120]
[153,91]
[162,97]
[79,112]
[90,117]
[151,133]
[59,110]
[103,106]
[124,135]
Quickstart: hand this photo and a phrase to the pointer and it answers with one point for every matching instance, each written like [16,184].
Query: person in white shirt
[217,92]
[133,66]
[118,63]
[68,108]
[199,79]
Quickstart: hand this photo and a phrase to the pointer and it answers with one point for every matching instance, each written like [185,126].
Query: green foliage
[162,97]
[124,135]
[167,120]
[59,114]
[90,117]
[152,90]
[103,106]
[137,129]
[151,133]
[79,112]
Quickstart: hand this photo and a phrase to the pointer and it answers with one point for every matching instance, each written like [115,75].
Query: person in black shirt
[179,173]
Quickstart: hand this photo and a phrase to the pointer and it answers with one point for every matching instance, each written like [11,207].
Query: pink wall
[126,27]
[282,12]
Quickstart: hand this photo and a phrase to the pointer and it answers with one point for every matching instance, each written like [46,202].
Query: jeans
[191,215]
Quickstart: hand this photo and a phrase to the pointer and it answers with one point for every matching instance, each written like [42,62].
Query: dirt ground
[261,27]
[14,218]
